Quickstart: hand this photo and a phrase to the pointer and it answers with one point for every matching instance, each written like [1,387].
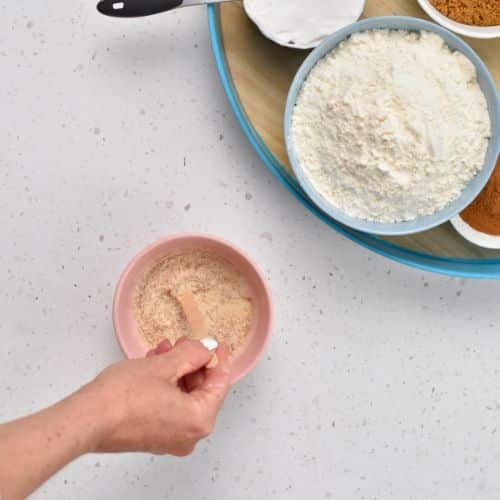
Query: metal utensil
[140,8]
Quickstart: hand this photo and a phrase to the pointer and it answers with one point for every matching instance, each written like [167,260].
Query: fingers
[214,388]
[163,347]
[187,356]
[196,379]
[193,380]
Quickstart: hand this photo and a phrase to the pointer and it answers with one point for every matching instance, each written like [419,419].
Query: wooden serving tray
[260,73]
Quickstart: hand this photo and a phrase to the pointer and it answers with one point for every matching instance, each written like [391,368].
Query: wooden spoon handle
[194,316]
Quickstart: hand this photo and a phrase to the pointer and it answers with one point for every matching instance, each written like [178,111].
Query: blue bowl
[475,185]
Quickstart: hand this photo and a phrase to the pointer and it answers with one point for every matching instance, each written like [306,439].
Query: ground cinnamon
[475,12]
[484,212]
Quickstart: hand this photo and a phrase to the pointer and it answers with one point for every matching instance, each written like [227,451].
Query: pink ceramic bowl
[134,346]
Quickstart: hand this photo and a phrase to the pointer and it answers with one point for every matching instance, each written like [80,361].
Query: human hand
[164,403]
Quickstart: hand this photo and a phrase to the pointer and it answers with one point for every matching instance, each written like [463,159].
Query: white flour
[302,23]
[391,125]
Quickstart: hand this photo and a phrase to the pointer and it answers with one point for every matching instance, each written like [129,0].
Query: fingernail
[210,343]
[163,347]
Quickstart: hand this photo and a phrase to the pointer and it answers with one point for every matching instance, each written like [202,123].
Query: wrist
[95,414]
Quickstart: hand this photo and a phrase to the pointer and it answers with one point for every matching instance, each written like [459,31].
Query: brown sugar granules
[483,213]
[475,12]
[220,292]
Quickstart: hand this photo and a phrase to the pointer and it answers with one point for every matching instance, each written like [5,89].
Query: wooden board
[263,71]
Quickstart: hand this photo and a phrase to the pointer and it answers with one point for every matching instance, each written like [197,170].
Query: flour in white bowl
[302,23]
[391,125]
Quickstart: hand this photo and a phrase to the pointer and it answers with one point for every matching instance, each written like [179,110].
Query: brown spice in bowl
[221,295]
[483,214]
[472,12]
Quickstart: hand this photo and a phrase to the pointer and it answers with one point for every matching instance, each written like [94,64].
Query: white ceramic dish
[284,40]
[461,29]
[473,235]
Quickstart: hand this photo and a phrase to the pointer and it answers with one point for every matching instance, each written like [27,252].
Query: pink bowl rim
[198,236]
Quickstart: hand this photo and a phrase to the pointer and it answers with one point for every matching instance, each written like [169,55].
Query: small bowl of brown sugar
[196,286]
[473,18]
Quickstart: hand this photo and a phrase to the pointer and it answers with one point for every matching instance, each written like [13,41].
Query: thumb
[186,357]
[215,387]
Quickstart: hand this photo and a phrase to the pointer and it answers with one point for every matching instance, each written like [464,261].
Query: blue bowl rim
[472,189]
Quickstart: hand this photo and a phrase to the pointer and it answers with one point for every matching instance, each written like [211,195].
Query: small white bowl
[284,41]
[473,235]
[461,29]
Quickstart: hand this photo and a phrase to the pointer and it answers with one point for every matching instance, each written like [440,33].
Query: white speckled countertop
[380,382]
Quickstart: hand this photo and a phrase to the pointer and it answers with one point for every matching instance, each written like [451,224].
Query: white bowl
[462,29]
[283,40]
[473,235]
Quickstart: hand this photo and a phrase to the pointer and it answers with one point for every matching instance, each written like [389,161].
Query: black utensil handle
[135,8]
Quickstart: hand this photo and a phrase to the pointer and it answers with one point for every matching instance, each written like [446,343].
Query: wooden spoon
[194,316]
